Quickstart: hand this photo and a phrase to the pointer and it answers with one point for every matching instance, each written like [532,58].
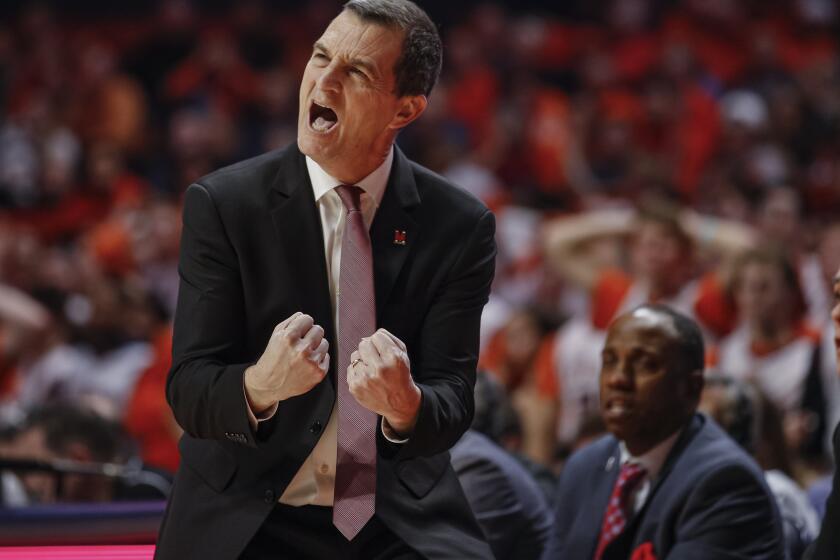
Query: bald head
[684,331]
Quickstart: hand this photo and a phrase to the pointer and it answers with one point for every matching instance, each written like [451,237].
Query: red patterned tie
[355,476]
[615,519]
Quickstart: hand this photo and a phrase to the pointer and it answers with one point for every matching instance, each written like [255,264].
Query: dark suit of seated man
[508,504]
[667,482]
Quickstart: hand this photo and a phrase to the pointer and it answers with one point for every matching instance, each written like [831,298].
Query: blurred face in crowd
[522,339]
[349,110]
[779,217]
[829,251]
[658,255]
[42,488]
[762,297]
[645,394]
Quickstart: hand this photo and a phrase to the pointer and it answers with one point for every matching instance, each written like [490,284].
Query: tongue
[322,124]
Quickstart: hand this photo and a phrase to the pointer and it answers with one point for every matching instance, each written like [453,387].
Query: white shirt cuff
[390,434]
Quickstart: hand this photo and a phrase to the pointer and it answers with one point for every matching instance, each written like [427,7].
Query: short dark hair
[64,424]
[740,415]
[692,350]
[418,67]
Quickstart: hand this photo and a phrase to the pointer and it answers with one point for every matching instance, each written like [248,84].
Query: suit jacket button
[315,427]
[269,496]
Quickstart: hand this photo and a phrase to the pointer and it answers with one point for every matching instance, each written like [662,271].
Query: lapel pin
[399,237]
[610,464]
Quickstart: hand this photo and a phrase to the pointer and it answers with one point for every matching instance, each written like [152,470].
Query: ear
[410,108]
[696,381]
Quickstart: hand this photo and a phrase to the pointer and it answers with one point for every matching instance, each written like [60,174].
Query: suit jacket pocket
[420,474]
[208,460]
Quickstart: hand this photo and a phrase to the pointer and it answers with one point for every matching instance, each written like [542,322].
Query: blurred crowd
[683,152]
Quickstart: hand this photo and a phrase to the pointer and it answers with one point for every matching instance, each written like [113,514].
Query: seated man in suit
[667,482]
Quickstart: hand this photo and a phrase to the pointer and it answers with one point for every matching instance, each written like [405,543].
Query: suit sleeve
[449,346]
[204,386]
[729,516]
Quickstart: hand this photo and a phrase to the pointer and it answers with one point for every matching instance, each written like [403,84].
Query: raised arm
[566,239]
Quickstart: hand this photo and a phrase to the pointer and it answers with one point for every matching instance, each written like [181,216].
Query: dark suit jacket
[827,545]
[505,498]
[252,254]
[709,502]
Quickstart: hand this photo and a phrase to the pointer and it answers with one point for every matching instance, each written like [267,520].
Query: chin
[312,147]
[620,431]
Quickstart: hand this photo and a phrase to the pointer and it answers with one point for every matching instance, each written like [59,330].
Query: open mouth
[322,119]
[618,407]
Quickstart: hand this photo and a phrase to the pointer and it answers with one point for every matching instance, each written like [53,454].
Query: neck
[637,448]
[661,290]
[770,331]
[351,171]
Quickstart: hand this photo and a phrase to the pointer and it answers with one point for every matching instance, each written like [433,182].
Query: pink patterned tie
[615,518]
[355,477]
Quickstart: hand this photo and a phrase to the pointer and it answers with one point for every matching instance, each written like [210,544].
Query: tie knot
[351,197]
[630,474]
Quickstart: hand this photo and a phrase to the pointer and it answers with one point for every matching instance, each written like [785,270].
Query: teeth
[618,406]
[321,124]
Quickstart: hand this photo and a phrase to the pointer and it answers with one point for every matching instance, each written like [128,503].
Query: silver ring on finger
[354,362]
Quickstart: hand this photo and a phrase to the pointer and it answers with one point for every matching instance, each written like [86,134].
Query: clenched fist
[295,359]
[379,378]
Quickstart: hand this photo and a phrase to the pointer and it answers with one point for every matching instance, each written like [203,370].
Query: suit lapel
[596,506]
[682,442]
[685,438]
[300,246]
[393,232]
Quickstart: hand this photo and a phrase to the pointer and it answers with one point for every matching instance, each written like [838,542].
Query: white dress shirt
[652,462]
[314,483]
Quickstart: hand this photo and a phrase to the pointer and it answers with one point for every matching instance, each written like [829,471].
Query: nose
[328,78]
[619,376]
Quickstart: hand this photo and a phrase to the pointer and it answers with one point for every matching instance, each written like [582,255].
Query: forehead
[643,328]
[761,270]
[351,37]
[648,229]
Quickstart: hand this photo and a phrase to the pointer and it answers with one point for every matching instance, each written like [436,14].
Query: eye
[357,72]
[320,57]
[649,364]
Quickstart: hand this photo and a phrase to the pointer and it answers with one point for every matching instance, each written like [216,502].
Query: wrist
[259,397]
[403,421]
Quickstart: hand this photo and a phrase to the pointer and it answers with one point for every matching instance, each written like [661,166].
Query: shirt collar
[653,460]
[374,184]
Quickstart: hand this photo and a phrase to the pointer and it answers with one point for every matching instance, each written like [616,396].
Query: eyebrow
[361,62]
